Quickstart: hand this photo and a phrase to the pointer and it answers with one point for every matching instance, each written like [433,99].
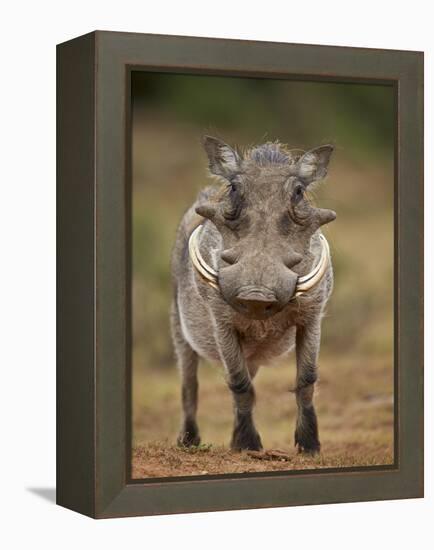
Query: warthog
[252,275]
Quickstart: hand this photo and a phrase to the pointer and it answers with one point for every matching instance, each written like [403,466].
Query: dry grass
[165,460]
[354,402]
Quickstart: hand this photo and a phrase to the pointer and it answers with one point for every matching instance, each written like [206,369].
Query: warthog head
[265,220]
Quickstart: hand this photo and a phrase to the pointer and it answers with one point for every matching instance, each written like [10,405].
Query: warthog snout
[257,303]
[257,289]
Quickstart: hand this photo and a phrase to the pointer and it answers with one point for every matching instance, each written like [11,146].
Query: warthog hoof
[307,443]
[245,439]
[189,435]
[306,432]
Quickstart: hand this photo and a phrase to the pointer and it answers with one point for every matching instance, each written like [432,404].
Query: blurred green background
[170,114]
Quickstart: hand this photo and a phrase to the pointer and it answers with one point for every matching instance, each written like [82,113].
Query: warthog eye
[233,209]
[298,193]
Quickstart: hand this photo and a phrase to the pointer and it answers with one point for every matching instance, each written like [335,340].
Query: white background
[29,33]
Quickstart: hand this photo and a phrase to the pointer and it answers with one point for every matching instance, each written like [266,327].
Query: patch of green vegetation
[201,448]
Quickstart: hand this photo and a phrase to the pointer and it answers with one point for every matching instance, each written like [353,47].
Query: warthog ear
[312,166]
[223,160]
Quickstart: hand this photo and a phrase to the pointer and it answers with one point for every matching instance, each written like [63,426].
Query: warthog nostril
[256,303]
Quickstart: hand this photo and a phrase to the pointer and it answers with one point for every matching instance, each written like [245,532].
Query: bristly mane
[272,153]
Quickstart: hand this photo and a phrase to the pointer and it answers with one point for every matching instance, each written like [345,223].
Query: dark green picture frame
[94,256]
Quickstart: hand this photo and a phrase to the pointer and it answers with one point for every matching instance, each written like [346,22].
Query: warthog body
[260,233]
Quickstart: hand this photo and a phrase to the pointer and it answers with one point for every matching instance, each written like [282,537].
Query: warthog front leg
[239,381]
[307,349]
[187,362]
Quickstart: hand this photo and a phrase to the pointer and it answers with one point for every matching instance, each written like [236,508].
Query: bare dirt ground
[165,460]
[354,402]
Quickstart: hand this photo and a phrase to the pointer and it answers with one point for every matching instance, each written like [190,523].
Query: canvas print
[262,275]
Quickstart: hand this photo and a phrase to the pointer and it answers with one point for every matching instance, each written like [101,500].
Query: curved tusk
[310,280]
[304,283]
[209,274]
